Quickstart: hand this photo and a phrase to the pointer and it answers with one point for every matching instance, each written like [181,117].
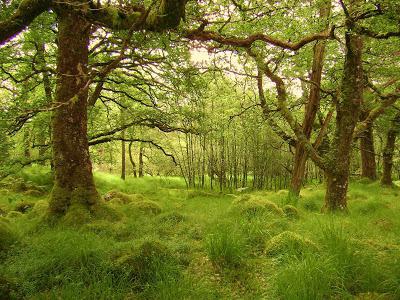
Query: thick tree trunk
[367,149]
[388,151]
[74,184]
[347,115]
[300,157]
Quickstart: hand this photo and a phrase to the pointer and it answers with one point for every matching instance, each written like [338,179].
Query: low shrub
[291,212]
[289,243]
[146,206]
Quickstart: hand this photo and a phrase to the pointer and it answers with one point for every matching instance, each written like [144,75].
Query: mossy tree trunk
[347,115]
[141,153]
[367,150]
[74,184]
[388,152]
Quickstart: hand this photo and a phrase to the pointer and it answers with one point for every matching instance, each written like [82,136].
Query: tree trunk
[388,152]
[367,149]
[48,94]
[312,108]
[141,152]
[131,159]
[347,115]
[73,184]
[123,160]
[27,143]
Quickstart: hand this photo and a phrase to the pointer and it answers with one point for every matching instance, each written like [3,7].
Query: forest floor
[156,240]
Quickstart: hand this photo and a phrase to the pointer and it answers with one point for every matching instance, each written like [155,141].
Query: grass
[201,245]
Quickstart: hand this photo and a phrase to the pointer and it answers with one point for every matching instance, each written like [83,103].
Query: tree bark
[347,115]
[74,184]
[367,151]
[123,159]
[131,159]
[301,155]
[141,152]
[388,152]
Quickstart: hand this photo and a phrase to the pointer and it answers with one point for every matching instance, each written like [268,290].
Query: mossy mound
[149,262]
[291,212]
[125,198]
[24,206]
[283,193]
[76,215]
[242,199]
[3,210]
[172,217]
[255,206]
[4,219]
[14,214]
[116,202]
[289,242]
[39,209]
[146,206]
[7,236]
[33,193]
[104,212]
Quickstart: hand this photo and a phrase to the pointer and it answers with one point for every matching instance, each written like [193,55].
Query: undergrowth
[170,243]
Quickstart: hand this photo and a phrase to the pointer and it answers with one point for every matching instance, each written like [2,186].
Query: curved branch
[203,35]
[26,12]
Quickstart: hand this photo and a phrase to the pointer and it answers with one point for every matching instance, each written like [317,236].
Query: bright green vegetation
[170,243]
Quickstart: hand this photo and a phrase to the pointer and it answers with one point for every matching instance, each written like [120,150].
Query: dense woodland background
[126,120]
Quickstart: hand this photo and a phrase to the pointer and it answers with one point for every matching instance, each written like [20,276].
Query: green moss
[116,202]
[24,206]
[105,212]
[289,242]
[33,193]
[61,198]
[256,206]
[125,198]
[291,212]
[76,215]
[3,210]
[146,206]
[14,214]
[6,288]
[39,209]
[7,236]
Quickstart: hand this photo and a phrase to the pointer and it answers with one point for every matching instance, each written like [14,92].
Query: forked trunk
[74,184]
[300,157]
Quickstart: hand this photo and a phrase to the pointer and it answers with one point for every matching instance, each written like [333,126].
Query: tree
[74,184]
